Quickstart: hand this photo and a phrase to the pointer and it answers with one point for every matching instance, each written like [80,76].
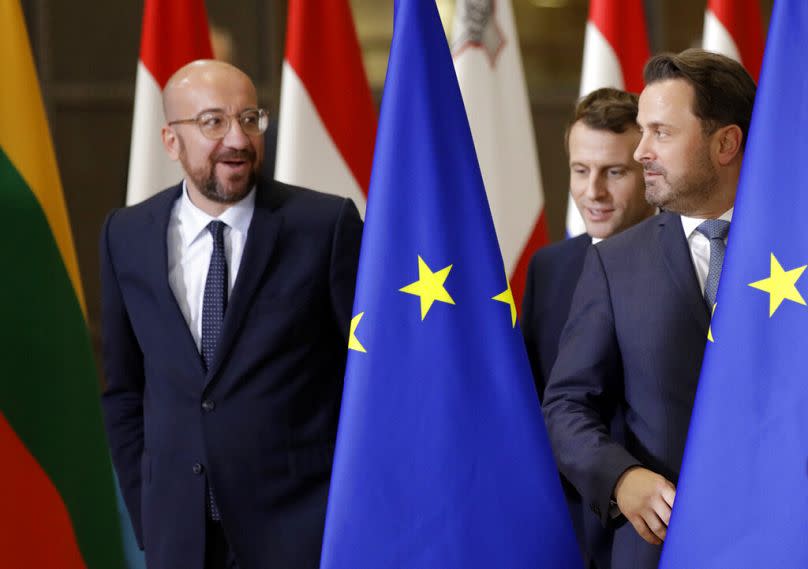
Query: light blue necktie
[716,231]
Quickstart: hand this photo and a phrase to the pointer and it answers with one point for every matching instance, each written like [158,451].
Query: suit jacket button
[208,405]
[198,468]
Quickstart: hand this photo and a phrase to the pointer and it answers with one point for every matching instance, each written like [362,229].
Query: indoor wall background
[86,53]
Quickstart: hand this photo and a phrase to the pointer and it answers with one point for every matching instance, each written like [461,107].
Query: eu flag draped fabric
[743,492]
[442,458]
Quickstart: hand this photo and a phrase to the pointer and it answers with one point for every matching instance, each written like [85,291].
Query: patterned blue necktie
[716,231]
[214,303]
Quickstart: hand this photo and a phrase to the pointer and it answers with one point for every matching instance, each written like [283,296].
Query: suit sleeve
[122,400]
[344,264]
[530,328]
[583,391]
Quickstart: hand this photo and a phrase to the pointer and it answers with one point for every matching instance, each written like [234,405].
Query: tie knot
[216,229]
[714,229]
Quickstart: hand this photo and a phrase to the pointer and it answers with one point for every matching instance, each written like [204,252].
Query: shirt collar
[596,240]
[193,221]
[691,223]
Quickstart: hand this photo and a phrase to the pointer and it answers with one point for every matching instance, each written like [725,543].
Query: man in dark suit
[607,186]
[640,314]
[226,309]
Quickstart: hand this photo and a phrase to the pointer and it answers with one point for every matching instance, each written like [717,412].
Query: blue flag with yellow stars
[742,499]
[442,459]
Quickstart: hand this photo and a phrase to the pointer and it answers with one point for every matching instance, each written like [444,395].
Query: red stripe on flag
[743,22]
[537,240]
[622,23]
[175,32]
[322,48]
[35,528]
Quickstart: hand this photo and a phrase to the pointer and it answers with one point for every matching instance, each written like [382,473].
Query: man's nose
[643,150]
[595,185]
[235,136]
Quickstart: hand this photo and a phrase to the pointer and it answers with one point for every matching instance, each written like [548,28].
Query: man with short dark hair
[226,307]
[640,315]
[607,186]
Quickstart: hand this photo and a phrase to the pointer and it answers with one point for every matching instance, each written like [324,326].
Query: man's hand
[646,499]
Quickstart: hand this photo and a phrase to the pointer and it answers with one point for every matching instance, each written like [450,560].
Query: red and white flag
[175,32]
[615,52]
[327,122]
[735,28]
[488,63]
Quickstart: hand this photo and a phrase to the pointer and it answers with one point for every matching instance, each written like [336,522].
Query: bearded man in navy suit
[607,186]
[226,309]
[638,325]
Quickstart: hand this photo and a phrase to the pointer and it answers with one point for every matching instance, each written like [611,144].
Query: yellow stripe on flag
[24,134]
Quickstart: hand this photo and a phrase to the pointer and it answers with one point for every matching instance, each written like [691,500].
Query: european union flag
[743,493]
[442,458]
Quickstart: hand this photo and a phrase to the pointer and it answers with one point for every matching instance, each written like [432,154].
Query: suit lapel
[155,244]
[676,253]
[258,249]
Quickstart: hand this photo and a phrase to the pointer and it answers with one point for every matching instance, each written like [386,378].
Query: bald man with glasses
[226,306]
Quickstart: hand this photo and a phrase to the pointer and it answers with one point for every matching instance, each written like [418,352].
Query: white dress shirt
[190,245]
[700,246]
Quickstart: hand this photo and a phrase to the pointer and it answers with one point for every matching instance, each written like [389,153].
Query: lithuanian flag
[57,500]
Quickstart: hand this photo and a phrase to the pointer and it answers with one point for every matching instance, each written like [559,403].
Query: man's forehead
[586,140]
[669,95]
[197,96]
[204,84]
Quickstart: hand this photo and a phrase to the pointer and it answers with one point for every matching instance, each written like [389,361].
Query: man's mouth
[599,213]
[234,165]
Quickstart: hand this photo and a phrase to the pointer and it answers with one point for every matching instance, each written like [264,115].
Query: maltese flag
[327,122]
[489,69]
[175,32]
[615,52]
[734,28]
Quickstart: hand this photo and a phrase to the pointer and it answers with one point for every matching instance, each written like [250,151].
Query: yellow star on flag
[506,296]
[353,342]
[429,286]
[710,329]
[781,285]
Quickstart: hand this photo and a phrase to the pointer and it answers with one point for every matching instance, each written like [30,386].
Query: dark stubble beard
[688,193]
[210,187]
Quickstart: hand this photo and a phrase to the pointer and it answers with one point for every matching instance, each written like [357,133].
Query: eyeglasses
[216,124]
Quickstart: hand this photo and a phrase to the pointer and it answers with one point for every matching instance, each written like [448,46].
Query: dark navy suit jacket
[551,280]
[259,427]
[634,339]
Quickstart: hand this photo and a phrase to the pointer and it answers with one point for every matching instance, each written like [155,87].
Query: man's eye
[249,118]
[210,121]
[616,172]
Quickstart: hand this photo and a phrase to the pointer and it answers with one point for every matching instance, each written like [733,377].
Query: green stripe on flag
[49,391]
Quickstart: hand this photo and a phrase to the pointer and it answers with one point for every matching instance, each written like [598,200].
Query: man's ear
[171,142]
[728,141]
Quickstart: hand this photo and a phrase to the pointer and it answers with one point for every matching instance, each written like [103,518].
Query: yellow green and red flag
[57,500]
